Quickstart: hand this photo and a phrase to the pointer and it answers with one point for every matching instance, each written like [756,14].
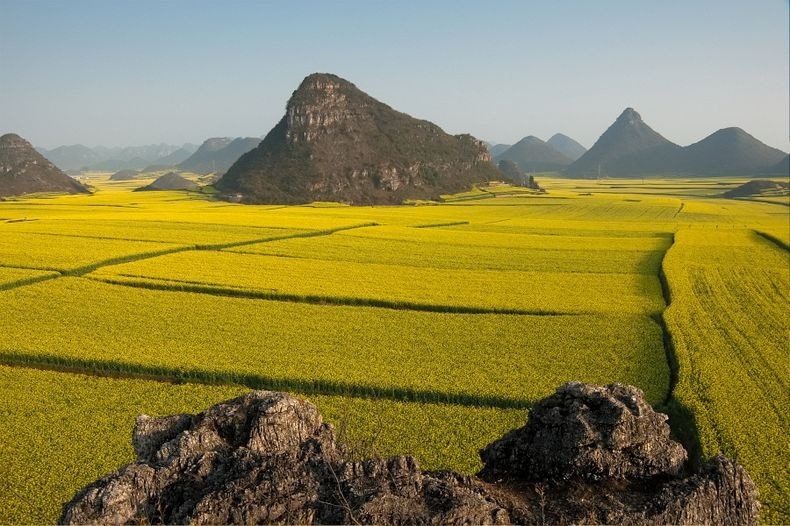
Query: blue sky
[139,72]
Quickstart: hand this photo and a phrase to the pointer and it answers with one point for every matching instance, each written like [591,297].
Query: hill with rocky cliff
[587,454]
[23,170]
[336,143]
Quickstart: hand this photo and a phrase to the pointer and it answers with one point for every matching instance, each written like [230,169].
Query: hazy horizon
[144,72]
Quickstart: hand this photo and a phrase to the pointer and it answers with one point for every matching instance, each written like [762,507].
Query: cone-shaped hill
[24,171]
[730,151]
[336,143]
[218,154]
[567,146]
[534,155]
[170,181]
[627,147]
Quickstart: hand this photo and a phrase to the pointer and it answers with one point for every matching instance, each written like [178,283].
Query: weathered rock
[269,458]
[589,432]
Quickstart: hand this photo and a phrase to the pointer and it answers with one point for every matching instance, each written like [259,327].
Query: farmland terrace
[426,330]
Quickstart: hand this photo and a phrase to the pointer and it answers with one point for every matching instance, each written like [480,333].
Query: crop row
[445,356]
[728,322]
[442,248]
[538,292]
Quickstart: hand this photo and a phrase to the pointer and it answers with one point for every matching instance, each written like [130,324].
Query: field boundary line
[79,271]
[347,301]
[309,233]
[53,274]
[437,225]
[772,240]
[113,369]
[176,248]
[682,419]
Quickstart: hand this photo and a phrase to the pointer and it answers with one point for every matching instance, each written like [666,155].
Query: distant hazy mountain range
[631,148]
[218,154]
[80,157]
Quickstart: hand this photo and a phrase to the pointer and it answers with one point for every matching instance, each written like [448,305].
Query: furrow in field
[460,356]
[729,327]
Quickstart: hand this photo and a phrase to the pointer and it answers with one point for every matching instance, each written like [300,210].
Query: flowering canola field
[443,321]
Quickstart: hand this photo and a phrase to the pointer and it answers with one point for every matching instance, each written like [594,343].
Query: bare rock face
[336,143]
[269,458]
[587,432]
[25,171]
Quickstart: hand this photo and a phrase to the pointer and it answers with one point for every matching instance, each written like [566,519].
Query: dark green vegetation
[336,143]
[24,171]
[631,148]
[216,155]
[534,155]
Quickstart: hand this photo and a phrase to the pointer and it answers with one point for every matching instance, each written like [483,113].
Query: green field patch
[437,356]
[728,321]
[537,292]
[472,250]
[79,427]
[161,231]
[70,254]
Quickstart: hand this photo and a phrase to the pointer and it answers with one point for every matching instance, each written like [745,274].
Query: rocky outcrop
[25,171]
[587,454]
[587,432]
[336,143]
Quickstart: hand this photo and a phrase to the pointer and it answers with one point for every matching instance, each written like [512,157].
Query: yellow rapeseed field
[429,327]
